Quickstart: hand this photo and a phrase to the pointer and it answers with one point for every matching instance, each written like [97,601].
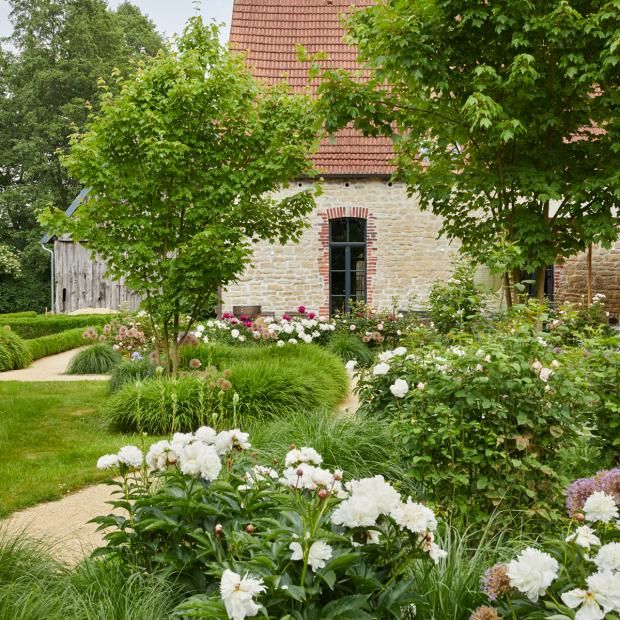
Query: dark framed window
[347,263]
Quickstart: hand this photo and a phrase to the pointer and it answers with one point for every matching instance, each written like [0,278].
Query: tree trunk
[540,283]
[589,275]
[516,279]
[507,291]
[167,344]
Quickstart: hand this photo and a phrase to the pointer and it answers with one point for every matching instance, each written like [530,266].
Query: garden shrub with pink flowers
[283,540]
[483,420]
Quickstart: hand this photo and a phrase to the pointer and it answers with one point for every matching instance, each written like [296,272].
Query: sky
[169,15]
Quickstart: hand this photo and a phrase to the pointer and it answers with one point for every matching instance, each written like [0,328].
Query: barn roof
[270,31]
[77,201]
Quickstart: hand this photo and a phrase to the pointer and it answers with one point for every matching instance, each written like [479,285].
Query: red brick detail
[371,249]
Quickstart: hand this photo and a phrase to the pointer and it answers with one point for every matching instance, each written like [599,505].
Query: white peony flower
[302,455]
[280,343]
[242,338]
[259,473]
[386,356]
[107,461]
[536,365]
[600,507]
[131,456]
[545,374]
[352,327]
[307,338]
[436,553]
[399,388]
[608,557]
[356,511]
[235,333]
[400,351]
[381,369]
[532,572]
[292,341]
[415,517]
[206,434]
[199,459]
[421,386]
[205,339]
[602,596]
[238,594]
[227,440]
[350,365]
[318,554]
[160,455]
[585,537]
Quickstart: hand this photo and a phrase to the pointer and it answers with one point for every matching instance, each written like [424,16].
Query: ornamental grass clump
[130,372]
[483,421]
[97,359]
[247,538]
[349,347]
[14,352]
[572,574]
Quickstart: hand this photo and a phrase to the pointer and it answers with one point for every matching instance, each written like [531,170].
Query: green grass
[50,439]
[13,351]
[98,359]
[35,587]
[56,343]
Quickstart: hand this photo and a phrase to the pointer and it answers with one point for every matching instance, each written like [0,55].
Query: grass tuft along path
[50,440]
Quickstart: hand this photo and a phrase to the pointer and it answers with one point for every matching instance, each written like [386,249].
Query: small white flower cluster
[400,387]
[369,498]
[294,330]
[303,472]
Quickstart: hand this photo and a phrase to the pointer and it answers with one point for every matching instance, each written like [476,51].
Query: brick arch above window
[333,213]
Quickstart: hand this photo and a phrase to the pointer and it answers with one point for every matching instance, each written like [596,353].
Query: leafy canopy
[182,164]
[505,117]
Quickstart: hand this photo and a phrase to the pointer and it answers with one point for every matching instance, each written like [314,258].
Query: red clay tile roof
[270,30]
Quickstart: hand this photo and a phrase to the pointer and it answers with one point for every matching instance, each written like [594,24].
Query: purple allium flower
[577,494]
[495,581]
[609,482]
[136,356]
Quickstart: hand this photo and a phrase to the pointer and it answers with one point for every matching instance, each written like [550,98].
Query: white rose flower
[608,557]
[415,517]
[107,461]
[399,388]
[318,554]
[585,537]
[131,456]
[381,369]
[238,594]
[532,573]
[600,507]
[602,596]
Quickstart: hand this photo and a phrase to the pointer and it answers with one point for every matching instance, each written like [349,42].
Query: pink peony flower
[311,315]
[301,309]
[286,317]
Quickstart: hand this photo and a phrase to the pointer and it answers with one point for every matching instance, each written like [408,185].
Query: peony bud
[249,528]
[323,494]
[300,472]
[218,530]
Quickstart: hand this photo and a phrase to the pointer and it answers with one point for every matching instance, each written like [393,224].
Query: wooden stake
[589,275]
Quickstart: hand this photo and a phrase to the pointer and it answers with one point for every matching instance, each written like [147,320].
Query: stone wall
[571,278]
[404,256]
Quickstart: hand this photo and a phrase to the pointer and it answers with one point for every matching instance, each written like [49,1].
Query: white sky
[169,15]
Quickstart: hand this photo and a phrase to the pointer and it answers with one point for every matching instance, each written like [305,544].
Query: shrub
[130,372]
[457,303]
[35,327]
[349,347]
[97,359]
[55,343]
[18,315]
[14,353]
[269,383]
[482,422]
[212,518]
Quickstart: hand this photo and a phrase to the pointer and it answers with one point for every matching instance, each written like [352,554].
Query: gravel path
[50,368]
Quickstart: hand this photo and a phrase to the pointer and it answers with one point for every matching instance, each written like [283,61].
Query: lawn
[50,439]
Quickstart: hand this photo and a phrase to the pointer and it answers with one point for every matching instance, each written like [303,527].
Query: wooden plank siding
[81,282]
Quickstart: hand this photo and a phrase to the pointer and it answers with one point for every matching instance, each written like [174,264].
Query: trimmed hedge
[35,327]
[18,315]
[56,343]
[14,353]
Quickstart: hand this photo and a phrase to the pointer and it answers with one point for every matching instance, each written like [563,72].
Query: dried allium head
[224,384]
[154,357]
[609,482]
[107,328]
[102,338]
[485,613]
[495,581]
[195,363]
[227,374]
[90,334]
[577,494]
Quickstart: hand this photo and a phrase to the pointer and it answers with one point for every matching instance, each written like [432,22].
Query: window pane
[338,283]
[338,230]
[358,284]
[358,259]
[338,257]
[357,230]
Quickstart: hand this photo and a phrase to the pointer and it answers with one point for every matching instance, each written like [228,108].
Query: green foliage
[130,372]
[98,359]
[9,263]
[35,327]
[49,68]
[269,382]
[18,315]
[55,343]
[503,128]
[349,347]
[183,165]
[456,304]
[34,586]
[238,519]
[14,352]
[483,421]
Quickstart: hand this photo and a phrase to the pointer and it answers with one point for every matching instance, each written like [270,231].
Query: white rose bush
[246,539]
